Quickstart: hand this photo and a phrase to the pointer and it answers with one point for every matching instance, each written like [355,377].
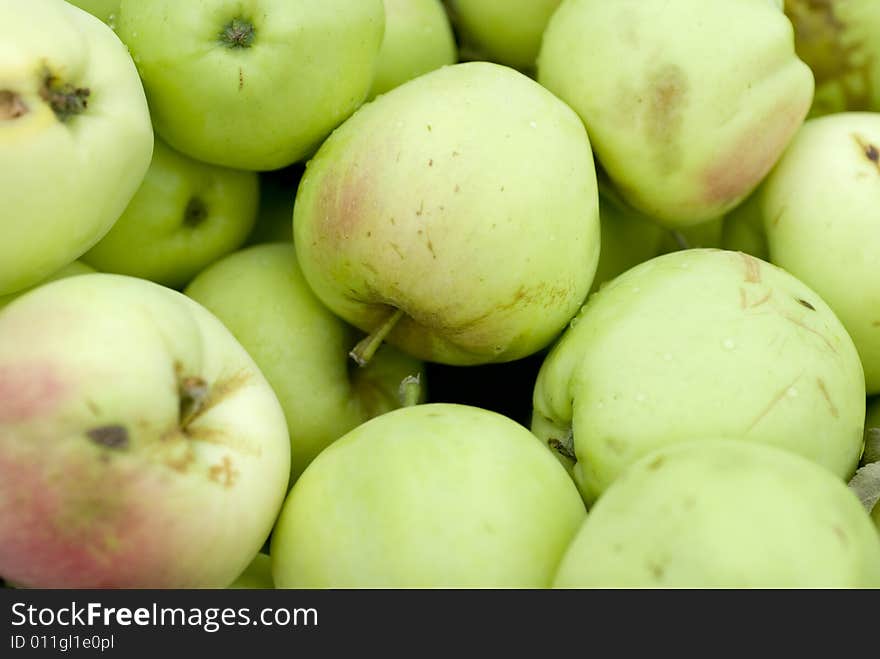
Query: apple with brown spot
[688,103]
[140,446]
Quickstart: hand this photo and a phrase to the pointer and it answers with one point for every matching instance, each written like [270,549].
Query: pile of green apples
[423,294]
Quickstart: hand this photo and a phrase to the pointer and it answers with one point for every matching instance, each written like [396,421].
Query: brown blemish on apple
[806,304]
[240,79]
[223,473]
[744,302]
[753,268]
[773,403]
[832,408]
[753,153]
[664,114]
[840,533]
[66,99]
[801,324]
[114,436]
[11,105]
[868,150]
[656,463]
[562,448]
[28,391]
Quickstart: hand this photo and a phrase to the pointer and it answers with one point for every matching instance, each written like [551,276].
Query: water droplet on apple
[729,344]
[792,392]
[640,398]
[533,124]
[667,357]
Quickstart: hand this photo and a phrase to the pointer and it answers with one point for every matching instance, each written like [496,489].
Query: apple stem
[410,390]
[680,240]
[193,394]
[363,352]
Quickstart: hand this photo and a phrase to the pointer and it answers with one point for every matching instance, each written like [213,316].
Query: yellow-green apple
[700,343]
[820,214]
[106,10]
[688,103]
[75,136]
[252,85]
[718,513]
[301,347]
[743,228]
[418,39]
[257,575]
[428,496]
[140,446]
[504,31]
[185,215]
[75,268]
[457,214]
[840,41]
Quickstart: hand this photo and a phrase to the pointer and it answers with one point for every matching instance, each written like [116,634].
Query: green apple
[504,31]
[718,513]
[457,214]
[429,496]
[688,103]
[75,268]
[840,41]
[185,215]
[820,212]
[302,348]
[257,575]
[418,39]
[106,10]
[700,343]
[252,85]
[277,192]
[140,446]
[743,228]
[628,238]
[75,136]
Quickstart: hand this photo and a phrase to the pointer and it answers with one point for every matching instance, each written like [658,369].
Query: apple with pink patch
[140,446]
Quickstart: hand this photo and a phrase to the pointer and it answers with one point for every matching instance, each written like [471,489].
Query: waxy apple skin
[270,95]
[185,215]
[302,348]
[75,268]
[466,198]
[701,343]
[716,513]
[65,177]
[433,495]
[819,207]
[140,446]
[688,103]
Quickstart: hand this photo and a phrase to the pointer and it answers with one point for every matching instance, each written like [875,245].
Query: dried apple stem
[363,352]
[410,391]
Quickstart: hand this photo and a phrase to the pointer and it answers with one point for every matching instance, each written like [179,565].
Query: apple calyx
[65,99]
[410,391]
[195,213]
[11,105]
[564,446]
[113,436]
[193,395]
[238,33]
[363,352]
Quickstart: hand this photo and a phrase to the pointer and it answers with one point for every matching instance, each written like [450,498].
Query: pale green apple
[463,207]
[302,348]
[688,103]
[106,10]
[743,228]
[75,136]
[429,496]
[185,215]
[252,85]
[840,41]
[718,513]
[418,39]
[140,446]
[628,238]
[75,268]
[257,575]
[700,343]
[820,212]
[504,31]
